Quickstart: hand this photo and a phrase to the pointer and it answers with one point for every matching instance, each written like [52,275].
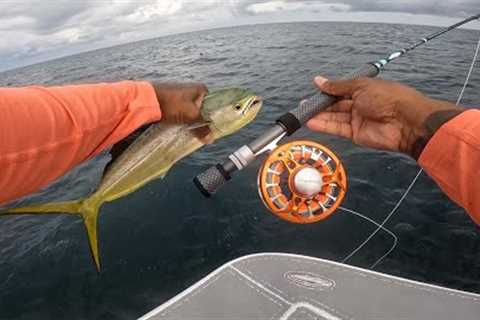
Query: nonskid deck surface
[286,286]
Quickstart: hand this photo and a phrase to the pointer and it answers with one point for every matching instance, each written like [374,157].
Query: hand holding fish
[181,103]
[151,155]
[382,114]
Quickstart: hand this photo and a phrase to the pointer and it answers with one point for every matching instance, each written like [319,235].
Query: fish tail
[57,207]
[88,209]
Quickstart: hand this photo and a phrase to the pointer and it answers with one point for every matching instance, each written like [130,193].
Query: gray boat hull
[286,286]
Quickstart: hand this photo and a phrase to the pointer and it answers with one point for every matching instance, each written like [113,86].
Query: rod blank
[210,180]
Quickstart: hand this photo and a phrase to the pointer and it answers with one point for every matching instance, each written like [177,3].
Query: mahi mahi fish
[153,153]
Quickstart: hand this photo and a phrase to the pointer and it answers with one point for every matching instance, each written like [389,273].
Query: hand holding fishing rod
[209,181]
[381,114]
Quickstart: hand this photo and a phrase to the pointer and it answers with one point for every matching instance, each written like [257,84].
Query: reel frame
[276,182]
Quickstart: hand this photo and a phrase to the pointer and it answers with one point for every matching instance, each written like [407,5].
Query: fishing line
[470,72]
[282,182]
[395,238]
[392,212]
[412,184]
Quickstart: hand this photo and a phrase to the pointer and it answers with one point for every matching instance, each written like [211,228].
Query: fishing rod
[209,181]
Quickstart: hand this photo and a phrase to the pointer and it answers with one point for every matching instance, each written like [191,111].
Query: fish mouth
[254,103]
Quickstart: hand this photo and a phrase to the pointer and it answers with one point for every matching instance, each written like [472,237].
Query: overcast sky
[37,30]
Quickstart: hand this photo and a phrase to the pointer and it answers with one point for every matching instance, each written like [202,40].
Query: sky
[37,30]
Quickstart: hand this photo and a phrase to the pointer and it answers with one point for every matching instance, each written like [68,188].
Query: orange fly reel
[302,182]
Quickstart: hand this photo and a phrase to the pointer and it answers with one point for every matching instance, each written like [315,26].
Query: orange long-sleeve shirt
[452,159]
[45,132]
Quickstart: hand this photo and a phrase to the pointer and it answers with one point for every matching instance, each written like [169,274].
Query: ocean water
[158,241]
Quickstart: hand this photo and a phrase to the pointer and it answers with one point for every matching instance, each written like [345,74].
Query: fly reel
[302,182]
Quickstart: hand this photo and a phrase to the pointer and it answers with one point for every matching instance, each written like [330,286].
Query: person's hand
[181,103]
[380,114]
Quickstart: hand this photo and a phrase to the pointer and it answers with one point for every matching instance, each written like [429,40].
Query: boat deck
[285,286]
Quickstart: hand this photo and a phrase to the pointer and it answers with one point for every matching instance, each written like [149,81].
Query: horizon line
[8,69]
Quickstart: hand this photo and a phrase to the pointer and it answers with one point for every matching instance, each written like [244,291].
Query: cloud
[451,8]
[30,29]
[40,16]
[153,11]
[283,5]
[35,30]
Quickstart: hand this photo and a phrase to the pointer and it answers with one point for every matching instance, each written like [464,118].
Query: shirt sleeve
[44,132]
[452,159]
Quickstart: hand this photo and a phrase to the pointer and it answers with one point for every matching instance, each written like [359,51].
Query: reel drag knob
[302,182]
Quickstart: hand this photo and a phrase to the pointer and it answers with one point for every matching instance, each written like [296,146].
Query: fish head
[228,110]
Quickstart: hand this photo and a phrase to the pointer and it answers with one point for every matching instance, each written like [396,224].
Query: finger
[204,134]
[339,88]
[199,100]
[341,106]
[331,127]
[341,117]
[199,91]
[196,93]
[202,89]
[192,113]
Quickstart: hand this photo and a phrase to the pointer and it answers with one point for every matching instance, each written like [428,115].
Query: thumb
[200,92]
[191,113]
[199,99]
[343,88]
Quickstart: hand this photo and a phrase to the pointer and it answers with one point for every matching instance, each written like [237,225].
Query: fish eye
[238,107]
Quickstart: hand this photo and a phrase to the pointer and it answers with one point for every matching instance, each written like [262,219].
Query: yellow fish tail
[58,207]
[88,209]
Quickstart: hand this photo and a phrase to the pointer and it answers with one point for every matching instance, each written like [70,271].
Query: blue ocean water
[158,241]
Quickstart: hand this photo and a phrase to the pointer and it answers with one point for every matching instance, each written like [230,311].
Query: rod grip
[320,101]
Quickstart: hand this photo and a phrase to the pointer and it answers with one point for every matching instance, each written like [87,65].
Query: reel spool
[302,182]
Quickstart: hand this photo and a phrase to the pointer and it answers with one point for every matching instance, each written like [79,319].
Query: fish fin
[164,173]
[55,208]
[89,213]
[88,209]
[197,125]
